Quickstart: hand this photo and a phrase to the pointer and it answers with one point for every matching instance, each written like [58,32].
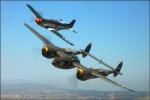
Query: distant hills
[38,91]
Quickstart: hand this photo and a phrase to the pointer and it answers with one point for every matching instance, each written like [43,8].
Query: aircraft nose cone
[38,20]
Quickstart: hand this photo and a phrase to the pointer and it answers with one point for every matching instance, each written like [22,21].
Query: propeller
[33,17]
[36,51]
[73,81]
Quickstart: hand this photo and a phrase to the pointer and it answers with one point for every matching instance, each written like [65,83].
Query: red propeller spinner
[38,20]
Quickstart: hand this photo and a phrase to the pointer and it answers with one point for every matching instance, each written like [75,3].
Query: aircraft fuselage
[54,24]
[66,62]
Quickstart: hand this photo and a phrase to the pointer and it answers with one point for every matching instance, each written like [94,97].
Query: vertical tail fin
[118,69]
[71,24]
[87,50]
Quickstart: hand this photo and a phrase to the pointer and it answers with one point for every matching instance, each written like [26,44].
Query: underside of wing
[42,38]
[79,66]
[61,36]
[61,53]
[110,81]
[51,29]
[35,13]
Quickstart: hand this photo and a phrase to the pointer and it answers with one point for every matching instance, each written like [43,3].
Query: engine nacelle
[46,52]
[84,74]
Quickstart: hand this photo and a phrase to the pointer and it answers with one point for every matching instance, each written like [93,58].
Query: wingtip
[27,5]
[132,92]
[26,25]
[71,44]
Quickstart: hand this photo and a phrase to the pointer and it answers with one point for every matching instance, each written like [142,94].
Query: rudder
[72,23]
[87,50]
[118,69]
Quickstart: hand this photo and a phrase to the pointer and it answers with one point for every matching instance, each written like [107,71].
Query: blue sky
[119,31]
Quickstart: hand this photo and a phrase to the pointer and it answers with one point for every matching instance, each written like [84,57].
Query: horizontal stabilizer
[100,61]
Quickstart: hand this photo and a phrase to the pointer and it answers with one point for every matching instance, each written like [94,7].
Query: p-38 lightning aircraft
[66,59]
[62,57]
[53,25]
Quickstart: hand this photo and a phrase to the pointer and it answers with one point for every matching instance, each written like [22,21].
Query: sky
[118,31]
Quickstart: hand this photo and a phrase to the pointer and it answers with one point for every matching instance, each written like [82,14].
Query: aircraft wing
[110,81]
[61,53]
[42,38]
[79,66]
[95,73]
[35,13]
[61,36]
[100,61]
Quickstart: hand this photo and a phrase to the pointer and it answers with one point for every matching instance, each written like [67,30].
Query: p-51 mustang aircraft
[67,58]
[53,25]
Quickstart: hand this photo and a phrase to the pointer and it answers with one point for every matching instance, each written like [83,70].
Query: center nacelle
[65,62]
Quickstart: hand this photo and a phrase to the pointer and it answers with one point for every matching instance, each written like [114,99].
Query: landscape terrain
[38,91]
